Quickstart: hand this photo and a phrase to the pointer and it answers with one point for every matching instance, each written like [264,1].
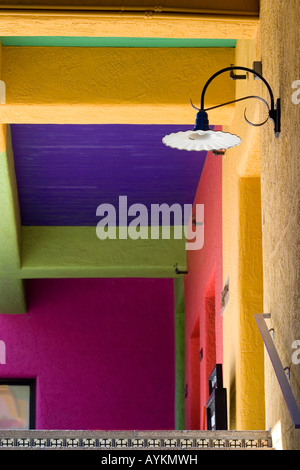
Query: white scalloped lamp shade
[201,140]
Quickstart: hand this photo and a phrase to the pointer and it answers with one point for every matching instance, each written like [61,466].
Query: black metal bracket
[272,333]
[257,67]
[275,116]
[178,271]
[194,221]
[274,109]
[234,76]
[287,370]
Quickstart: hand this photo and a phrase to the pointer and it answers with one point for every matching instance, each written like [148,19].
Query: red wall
[101,350]
[203,287]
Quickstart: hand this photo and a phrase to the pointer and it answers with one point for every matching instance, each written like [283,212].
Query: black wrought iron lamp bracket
[274,112]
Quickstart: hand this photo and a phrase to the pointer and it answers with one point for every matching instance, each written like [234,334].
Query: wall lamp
[203,138]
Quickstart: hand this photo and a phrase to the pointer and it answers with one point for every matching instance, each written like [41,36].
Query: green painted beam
[179,322]
[12,291]
[57,252]
[10,225]
[12,296]
[71,41]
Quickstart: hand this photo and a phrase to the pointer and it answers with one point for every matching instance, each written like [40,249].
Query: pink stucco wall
[102,351]
[203,287]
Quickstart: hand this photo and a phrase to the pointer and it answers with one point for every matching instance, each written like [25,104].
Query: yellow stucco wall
[280,170]
[242,257]
[112,85]
[128,24]
[261,231]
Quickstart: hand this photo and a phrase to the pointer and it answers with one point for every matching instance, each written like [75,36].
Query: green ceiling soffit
[60,252]
[69,41]
[179,324]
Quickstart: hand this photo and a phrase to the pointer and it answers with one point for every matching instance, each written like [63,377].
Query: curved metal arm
[236,101]
[246,119]
[228,69]
[274,112]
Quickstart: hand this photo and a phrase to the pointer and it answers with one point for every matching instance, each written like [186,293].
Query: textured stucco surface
[226,5]
[101,350]
[203,285]
[112,85]
[242,258]
[184,23]
[280,176]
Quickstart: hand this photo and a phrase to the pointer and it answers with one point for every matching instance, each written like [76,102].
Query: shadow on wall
[232,404]
[195,377]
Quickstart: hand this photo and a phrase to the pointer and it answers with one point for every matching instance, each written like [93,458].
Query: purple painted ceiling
[65,171]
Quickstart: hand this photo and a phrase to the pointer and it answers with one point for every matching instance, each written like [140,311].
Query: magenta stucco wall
[102,351]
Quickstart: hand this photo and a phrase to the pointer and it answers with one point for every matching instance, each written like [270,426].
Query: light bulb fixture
[202,138]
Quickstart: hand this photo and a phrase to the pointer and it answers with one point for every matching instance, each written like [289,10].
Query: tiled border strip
[125,440]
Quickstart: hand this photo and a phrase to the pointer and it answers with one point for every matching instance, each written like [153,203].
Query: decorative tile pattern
[170,443]
[202,443]
[186,443]
[250,443]
[56,442]
[105,443]
[264,443]
[235,443]
[103,440]
[40,443]
[88,442]
[153,443]
[23,442]
[137,443]
[219,443]
[72,443]
[7,442]
[122,443]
